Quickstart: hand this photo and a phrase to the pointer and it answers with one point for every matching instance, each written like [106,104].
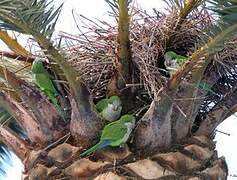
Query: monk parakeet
[110,108]
[42,79]
[206,87]
[173,60]
[114,134]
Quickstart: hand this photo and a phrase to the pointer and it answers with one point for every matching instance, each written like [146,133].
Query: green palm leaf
[113,4]
[5,156]
[226,9]
[10,121]
[38,15]
[226,25]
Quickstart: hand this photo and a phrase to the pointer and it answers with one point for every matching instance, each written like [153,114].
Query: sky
[98,9]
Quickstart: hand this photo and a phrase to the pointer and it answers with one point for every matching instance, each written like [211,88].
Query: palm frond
[226,25]
[8,120]
[5,117]
[38,15]
[226,9]
[113,4]
[4,153]
[13,44]
[38,18]
[5,156]
[123,47]
[182,12]
[219,32]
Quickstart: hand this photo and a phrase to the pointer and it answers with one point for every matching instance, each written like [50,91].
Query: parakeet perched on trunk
[110,108]
[114,134]
[43,81]
[173,60]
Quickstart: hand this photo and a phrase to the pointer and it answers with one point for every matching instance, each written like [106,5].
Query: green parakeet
[114,134]
[173,60]
[206,87]
[43,81]
[110,108]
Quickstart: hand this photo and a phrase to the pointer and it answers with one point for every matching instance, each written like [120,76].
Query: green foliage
[226,9]
[5,156]
[226,24]
[101,105]
[8,120]
[38,15]
[113,4]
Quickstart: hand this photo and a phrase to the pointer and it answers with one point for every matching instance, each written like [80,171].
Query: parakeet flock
[117,132]
[114,134]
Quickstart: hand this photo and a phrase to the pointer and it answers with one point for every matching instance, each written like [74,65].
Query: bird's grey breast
[130,127]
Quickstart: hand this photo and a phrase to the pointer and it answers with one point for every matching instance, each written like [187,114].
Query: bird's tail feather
[96,147]
[54,101]
[61,112]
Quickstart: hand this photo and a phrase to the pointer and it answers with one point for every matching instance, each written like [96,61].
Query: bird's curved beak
[116,108]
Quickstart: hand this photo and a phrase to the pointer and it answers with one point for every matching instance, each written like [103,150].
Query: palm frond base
[192,160]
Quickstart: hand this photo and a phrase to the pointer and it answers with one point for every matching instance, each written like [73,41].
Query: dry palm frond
[20,68]
[13,44]
[93,52]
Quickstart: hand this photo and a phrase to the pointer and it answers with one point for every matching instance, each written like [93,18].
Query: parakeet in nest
[173,61]
[110,108]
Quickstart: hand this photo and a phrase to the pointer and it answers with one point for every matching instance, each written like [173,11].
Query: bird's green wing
[114,131]
[181,59]
[38,67]
[42,79]
[101,105]
[206,87]
[178,58]
[45,83]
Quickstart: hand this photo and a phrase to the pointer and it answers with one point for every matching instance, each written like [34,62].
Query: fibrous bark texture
[194,159]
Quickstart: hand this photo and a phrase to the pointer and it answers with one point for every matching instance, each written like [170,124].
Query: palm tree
[176,114]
